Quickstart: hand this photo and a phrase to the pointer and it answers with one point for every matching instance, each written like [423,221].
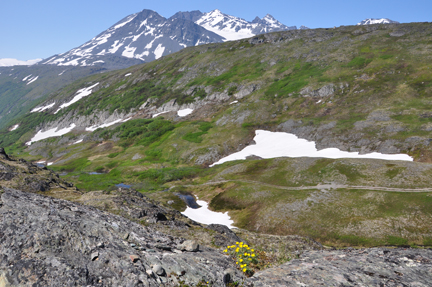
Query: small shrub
[359,62]
[196,137]
[113,155]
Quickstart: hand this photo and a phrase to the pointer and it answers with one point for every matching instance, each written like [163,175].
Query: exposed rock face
[53,242]
[351,267]
[326,136]
[324,91]
[26,176]
[3,154]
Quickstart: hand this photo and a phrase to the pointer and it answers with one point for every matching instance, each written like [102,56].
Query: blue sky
[38,29]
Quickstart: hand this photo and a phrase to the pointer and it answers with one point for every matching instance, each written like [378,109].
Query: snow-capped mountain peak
[272,22]
[372,21]
[147,36]
[137,38]
[229,27]
[234,28]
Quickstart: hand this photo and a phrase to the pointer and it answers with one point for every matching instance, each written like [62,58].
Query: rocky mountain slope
[21,87]
[140,37]
[307,97]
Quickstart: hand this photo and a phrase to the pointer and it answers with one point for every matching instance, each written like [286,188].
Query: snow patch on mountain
[184,112]
[159,51]
[79,95]
[31,80]
[204,215]
[95,127]
[25,79]
[14,128]
[54,132]
[43,108]
[279,144]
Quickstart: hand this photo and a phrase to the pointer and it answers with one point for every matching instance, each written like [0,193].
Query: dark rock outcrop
[26,176]
[224,236]
[53,242]
[3,154]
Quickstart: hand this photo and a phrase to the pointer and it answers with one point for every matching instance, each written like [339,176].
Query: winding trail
[319,186]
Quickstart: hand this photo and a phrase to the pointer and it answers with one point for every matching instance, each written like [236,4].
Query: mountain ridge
[146,36]
[373,21]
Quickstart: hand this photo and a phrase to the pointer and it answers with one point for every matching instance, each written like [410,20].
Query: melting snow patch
[279,144]
[41,109]
[159,51]
[50,163]
[95,127]
[80,94]
[32,80]
[206,216]
[155,115]
[25,79]
[14,127]
[50,133]
[129,52]
[128,74]
[77,142]
[185,112]
[62,73]
[235,102]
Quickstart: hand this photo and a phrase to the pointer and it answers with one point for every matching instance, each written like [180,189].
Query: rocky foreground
[54,242]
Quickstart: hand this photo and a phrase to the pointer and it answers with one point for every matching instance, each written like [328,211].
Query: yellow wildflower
[253,255]
[244,269]
[241,260]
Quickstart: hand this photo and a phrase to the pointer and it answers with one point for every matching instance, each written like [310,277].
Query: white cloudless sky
[38,29]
